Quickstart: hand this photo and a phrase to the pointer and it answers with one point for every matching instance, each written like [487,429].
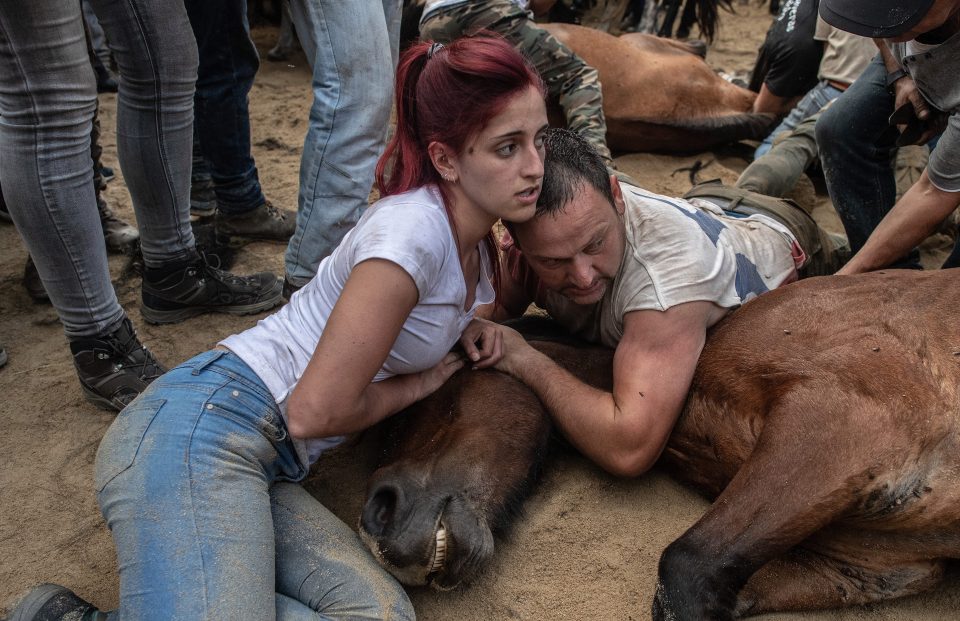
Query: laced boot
[266,222]
[119,235]
[186,289]
[51,602]
[114,368]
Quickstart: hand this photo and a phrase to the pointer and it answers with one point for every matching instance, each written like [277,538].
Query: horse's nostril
[385,504]
[380,509]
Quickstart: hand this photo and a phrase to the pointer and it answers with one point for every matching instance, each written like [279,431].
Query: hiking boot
[119,235]
[52,602]
[266,222]
[114,368]
[172,294]
[203,199]
[33,284]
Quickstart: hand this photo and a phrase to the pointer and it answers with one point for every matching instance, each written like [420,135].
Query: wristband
[893,76]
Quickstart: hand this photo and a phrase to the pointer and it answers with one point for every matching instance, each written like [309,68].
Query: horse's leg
[785,491]
[805,579]
[648,23]
[666,28]
[687,19]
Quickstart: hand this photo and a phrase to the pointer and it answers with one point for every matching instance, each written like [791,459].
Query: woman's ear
[443,160]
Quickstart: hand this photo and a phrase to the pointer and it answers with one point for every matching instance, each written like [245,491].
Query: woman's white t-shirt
[411,230]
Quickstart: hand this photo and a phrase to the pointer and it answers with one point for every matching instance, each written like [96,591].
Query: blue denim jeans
[811,103]
[47,98]
[352,47]
[194,481]
[228,65]
[857,152]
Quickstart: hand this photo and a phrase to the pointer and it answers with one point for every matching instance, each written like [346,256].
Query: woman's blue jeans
[352,47]
[857,152]
[47,99]
[194,481]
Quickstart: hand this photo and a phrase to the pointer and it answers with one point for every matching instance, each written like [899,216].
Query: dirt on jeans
[589,543]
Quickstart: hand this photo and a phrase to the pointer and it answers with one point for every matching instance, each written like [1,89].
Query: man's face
[937,16]
[577,251]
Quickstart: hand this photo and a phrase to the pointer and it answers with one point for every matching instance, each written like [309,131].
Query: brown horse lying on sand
[823,417]
[660,96]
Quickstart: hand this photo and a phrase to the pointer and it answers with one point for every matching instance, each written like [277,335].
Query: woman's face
[501,167]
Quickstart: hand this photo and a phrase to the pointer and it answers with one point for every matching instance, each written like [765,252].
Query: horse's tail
[686,136]
[708,15]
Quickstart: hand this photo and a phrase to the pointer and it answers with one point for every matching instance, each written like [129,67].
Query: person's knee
[829,128]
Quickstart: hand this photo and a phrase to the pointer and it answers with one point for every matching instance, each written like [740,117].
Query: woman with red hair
[197,477]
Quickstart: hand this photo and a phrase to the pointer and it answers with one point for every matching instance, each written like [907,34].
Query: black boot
[51,602]
[177,292]
[114,368]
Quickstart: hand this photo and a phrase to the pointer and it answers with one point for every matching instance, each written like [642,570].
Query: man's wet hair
[569,163]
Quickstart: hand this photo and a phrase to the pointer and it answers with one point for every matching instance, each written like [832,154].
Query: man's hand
[905,91]
[482,342]
[920,126]
[488,344]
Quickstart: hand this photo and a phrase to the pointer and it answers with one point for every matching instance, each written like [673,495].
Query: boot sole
[32,602]
[99,400]
[159,317]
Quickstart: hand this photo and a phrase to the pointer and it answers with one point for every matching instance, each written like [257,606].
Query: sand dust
[589,544]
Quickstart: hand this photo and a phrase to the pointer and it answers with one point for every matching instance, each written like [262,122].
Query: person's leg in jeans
[183,479]
[228,65]
[157,56]
[353,49]
[46,109]
[47,103]
[47,100]
[187,479]
[857,150]
[777,171]
[312,545]
[814,101]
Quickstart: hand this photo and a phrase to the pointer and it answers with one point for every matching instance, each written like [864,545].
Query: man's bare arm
[625,431]
[914,217]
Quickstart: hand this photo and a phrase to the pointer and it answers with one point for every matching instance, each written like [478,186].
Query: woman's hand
[429,380]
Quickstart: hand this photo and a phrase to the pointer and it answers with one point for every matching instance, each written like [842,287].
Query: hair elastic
[434,48]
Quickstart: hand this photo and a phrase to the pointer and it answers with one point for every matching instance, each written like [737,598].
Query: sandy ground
[589,543]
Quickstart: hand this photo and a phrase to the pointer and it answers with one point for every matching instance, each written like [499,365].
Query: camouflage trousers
[571,81]
[826,253]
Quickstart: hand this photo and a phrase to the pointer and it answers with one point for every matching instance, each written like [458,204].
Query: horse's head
[461,462]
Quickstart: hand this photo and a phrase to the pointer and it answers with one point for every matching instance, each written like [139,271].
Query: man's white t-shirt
[680,251]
